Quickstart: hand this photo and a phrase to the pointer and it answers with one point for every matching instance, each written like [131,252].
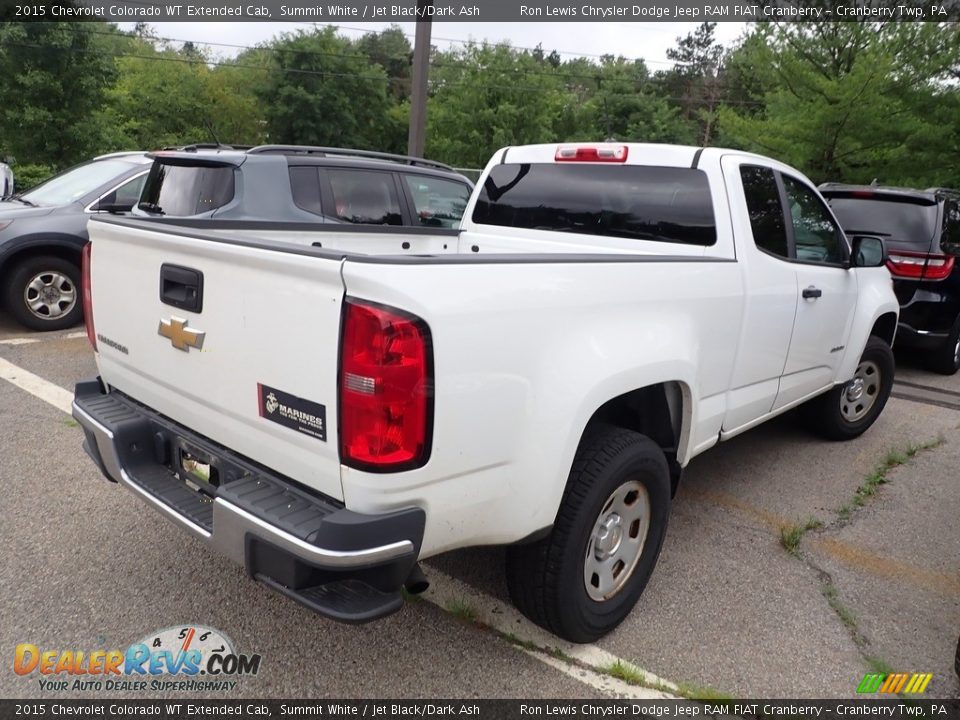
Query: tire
[548,579]
[946,358]
[841,414]
[44,293]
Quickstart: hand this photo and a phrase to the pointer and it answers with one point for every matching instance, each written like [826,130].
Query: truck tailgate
[263,378]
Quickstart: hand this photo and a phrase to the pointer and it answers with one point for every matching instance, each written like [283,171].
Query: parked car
[921,229]
[43,231]
[6,180]
[537,378]
[297,183]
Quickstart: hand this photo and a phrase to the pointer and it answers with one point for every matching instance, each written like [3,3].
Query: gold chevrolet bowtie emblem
[182,337]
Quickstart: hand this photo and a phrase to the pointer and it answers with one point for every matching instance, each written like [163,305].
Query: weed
[626,672]
[460,608]
[704,693]
[845,614]
[871,484]
[791,535]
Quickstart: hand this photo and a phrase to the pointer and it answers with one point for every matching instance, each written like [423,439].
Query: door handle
[181,287]
[812,292]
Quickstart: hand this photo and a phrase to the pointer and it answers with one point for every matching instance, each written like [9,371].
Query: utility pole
[416,137]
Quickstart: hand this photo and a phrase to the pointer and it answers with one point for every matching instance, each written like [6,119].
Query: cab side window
[816,237]
[365,197]
[766,212]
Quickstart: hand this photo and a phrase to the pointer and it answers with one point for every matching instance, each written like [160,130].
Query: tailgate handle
[181,287]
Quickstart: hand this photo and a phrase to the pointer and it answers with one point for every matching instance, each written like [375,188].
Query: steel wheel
[50,295]
[861,392]
[617,541]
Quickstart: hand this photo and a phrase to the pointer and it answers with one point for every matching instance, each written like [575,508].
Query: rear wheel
[584,578]
[44,293]
[946,358]
[849,409]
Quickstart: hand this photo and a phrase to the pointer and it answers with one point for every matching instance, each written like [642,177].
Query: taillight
[86,294]
[602,153]
[386,388]
[919,266]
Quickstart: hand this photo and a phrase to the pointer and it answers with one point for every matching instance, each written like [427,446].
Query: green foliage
[29,176]
[52,82]
[853,101]
[849,101]
[486,96]
[323,91]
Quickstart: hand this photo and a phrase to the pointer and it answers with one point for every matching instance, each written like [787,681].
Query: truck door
[827,293]
[769,286]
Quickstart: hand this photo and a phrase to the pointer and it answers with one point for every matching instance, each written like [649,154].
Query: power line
[555,73]
[322,73]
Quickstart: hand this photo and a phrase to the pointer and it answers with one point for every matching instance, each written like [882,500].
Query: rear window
[902,220]
[628,201]
[184,190]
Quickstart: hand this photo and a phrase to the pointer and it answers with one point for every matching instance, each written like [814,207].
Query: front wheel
[44,293]
[583,579]
[850,409]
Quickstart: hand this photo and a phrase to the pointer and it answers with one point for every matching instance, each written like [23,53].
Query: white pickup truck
[328,405]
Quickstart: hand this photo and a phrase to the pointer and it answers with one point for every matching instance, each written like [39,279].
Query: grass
[409,596]
[703,693]
[460,608]
[520,642]
[845,614]
[872,483]
[877,665]
[791,535]
[626,672]
[70,422]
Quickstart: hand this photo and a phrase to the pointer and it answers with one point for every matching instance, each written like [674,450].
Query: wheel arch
[885,327]
[661,411]
[65,247]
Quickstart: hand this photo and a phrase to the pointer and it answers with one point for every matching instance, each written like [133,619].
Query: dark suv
[294,183]
[921,229]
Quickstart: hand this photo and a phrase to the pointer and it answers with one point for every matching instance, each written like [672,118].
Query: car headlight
[4,224]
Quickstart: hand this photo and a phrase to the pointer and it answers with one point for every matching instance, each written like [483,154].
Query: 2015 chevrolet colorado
[329,405]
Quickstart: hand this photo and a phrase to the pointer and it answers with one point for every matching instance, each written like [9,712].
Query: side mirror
[868,251]
[109,204]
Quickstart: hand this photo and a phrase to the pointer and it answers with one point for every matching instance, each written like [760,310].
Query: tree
[484,97]
[322,90]
[852,101]
[694,85]
[53,79]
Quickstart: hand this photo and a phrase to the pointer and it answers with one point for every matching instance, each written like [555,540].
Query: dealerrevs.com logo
[185,657]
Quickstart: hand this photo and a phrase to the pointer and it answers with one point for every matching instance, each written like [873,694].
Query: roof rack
[943,191]
[345,152]
[206,146]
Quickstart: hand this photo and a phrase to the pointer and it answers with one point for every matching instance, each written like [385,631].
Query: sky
[649,40]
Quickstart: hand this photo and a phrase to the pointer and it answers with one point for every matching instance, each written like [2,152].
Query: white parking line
[35,385]
[32,340]
[445,591]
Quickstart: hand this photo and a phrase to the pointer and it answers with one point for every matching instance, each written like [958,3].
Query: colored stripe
[891,679]
[899,685]
[923,686]
[870,683]
[189,639]
[914,681]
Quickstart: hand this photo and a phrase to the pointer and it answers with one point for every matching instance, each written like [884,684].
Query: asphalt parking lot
[791,568]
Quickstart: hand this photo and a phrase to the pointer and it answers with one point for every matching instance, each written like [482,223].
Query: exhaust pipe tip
[416,582]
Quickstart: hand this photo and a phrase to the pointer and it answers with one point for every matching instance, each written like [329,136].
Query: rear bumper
[909,337]
[342,564]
